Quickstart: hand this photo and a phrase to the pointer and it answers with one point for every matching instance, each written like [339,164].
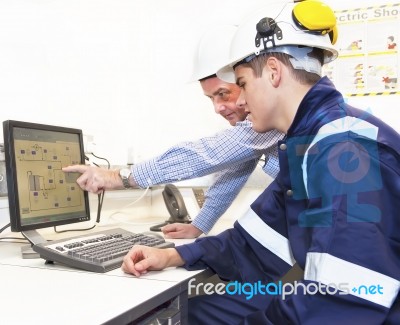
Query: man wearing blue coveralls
[334,206]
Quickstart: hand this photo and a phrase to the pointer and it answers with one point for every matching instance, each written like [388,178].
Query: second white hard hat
[212,51]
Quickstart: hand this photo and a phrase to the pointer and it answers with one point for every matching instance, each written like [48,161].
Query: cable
[108,163]
[13,240]
[261,161]
[5,227]
[118,211]
[101,195]
[68,230]
[132,203]
[100,199]
[111,216]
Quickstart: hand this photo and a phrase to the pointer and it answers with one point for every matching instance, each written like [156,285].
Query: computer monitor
[40,194]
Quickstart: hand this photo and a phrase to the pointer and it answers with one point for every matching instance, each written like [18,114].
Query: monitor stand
[34,238]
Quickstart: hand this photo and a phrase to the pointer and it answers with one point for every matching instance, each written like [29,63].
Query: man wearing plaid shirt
[231,154]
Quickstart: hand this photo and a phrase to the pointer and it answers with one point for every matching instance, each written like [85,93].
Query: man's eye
[224,95]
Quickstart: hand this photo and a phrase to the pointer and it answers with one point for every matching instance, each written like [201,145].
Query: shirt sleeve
[208,155]
[221,194]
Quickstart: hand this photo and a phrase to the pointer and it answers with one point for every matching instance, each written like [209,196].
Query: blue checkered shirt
[232,154]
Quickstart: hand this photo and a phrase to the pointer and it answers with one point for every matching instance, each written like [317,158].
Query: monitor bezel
[12,185]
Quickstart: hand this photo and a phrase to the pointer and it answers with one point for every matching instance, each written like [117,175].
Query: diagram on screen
[39,172]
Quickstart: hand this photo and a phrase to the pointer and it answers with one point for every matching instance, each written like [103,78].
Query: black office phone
[176,207]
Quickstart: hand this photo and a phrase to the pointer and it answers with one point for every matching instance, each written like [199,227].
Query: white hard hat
[284,27]
[212,51]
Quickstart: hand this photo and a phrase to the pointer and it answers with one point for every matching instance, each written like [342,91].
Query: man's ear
[273,69]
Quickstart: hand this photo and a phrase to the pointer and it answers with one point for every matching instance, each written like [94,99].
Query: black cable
[100,199]
[101,195]
[68,230]
[5,227]
[108,163]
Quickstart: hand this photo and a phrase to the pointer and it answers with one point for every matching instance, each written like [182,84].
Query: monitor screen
[40,194]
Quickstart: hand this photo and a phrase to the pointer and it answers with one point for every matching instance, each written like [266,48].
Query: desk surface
[38,293]
[34,295]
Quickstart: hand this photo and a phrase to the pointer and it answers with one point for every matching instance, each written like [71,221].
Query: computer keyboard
[99,252]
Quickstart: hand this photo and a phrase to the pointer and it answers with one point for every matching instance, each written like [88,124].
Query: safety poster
[368,62]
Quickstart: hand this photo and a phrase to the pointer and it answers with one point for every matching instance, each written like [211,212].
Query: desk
[36,293]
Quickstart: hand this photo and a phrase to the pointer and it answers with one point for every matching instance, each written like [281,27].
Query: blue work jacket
[334,209]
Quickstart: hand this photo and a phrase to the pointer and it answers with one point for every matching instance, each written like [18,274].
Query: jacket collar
[322,96]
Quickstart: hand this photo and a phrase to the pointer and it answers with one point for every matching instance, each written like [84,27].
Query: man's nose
[219,107]
[240,102]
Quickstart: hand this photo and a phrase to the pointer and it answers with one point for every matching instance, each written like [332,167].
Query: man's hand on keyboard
[141,259]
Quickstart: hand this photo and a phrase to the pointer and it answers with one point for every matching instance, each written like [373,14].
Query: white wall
[115,68]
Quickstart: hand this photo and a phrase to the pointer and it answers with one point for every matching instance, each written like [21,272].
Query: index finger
[75,168]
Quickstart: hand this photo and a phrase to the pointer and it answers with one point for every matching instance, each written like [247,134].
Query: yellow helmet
[287,27]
